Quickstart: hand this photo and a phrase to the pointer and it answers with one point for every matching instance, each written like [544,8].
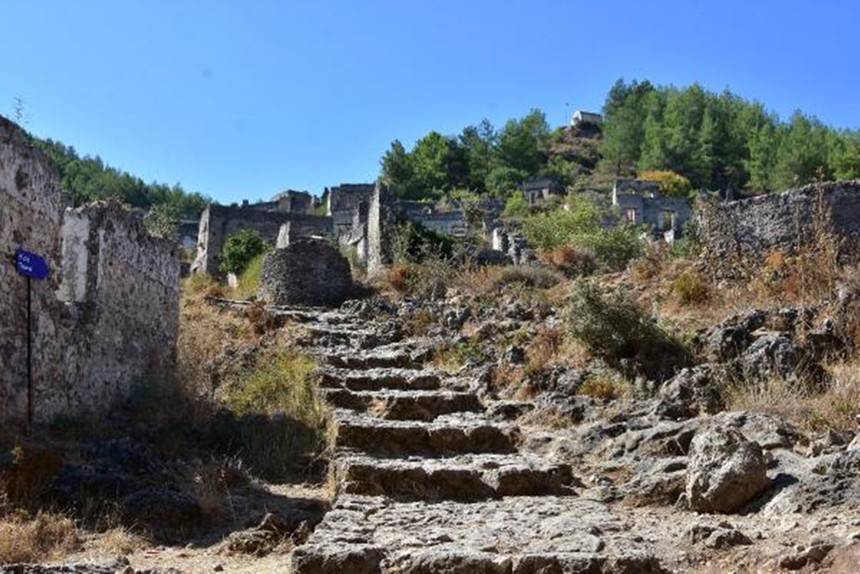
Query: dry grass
[42,537]
[604,387]
[836,408]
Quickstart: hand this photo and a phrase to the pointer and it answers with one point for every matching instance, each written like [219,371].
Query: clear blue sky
[245,98]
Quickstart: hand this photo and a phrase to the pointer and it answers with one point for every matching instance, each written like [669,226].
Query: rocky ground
[446,471]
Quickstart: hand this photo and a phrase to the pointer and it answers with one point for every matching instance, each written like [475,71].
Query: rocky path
[427,482]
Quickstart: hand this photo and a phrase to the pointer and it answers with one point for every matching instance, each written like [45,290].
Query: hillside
[715,141]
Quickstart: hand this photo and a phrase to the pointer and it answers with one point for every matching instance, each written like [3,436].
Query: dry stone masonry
[746,231]
[308,272]
[105,319]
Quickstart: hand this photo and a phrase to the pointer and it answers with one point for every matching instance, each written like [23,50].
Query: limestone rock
[726,471]
[308,272]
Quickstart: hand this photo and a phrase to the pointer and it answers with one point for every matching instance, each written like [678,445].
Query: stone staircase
[426,482]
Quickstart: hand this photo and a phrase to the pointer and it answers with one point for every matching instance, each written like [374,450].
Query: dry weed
[836,408]
[38,538]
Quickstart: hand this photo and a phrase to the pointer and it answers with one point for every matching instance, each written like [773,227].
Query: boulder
[309,272]
[688,393]
[725,472]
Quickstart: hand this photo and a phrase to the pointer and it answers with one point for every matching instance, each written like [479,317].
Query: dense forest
[89,179]
[715,141]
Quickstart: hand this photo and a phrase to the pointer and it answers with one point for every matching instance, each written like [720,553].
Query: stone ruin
[107,316]
[354,215]
[271,220]
[746,231]
[323,277]
[640,203]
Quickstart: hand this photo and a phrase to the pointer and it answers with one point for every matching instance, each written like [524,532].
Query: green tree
[240,249]
[523,143]
[162,220]
[802,153]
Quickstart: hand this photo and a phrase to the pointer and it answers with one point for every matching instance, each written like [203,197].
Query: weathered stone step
[465,478]
[446,436]
[404,405]
[390,356]
[515,535]
[351,336]
[379,379]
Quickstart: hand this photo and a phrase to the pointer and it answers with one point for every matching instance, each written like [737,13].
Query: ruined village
[497,408]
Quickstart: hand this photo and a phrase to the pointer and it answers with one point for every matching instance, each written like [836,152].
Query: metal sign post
[31,266]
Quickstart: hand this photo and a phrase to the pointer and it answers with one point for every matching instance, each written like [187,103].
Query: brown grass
[836,408]
[42,537]
[604,388]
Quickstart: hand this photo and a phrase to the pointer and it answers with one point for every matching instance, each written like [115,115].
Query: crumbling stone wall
[107,315]
[747,230]
[219,222]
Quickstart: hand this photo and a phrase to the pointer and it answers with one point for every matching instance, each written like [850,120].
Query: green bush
[516,205]
[580,226]
[414,243]
[613,328]
[240,249]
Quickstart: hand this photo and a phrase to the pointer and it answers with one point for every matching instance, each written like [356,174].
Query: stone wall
[107,315]
[747,230]
[343,200]
[218,222]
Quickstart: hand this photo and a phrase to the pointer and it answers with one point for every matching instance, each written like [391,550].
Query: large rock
[726,471]
[310,272]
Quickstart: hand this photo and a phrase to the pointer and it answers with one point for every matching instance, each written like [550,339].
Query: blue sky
[243,99]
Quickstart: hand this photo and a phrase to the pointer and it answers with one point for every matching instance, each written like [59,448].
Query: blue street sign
[31,265]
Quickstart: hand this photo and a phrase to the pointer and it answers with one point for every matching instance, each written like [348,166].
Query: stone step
[464,478]
[447,435]
[404,405]
[514,535]
[379,379]
[379,358]
[351,336]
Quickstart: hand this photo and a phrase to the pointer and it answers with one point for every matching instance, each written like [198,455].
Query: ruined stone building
[284,219]
[105,319]
[640,203]
[342,203]
[536,191]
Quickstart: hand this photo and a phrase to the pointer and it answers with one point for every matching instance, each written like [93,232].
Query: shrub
[572,262]
[414,243]
[534,277]
[516,205]
[614,329]
[240,249]
[426,280]
[690,288]
[580,227]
